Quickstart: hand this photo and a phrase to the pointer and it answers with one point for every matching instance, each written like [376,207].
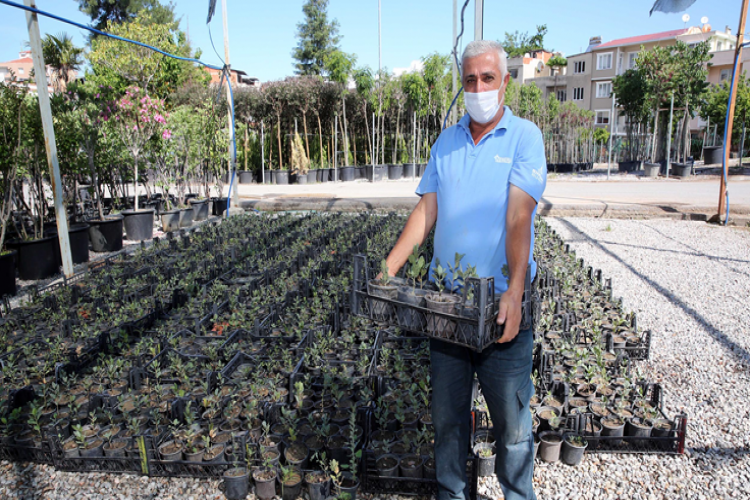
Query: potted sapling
[411,295]
[440,303]
[290,480]
[383,287]
[236,479]
[573,447]
[485,458]
[318,482]
[265,479]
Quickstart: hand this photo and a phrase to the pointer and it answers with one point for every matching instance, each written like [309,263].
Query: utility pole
[611,133]
[454,68]
[479,20]
[730,111]
[669,135]
[262,154]
[380,43]
[235,205]
[40,73]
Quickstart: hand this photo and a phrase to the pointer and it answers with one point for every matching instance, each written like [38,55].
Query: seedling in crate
[439,273]
[417,267]
[456,280]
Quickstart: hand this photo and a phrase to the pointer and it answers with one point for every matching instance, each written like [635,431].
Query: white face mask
[483,106]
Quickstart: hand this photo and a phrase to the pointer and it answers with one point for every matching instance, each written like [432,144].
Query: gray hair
[479,47]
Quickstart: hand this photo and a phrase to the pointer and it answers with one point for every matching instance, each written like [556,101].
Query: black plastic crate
[14,452]
[372,482]
[157,467]
[134,463]
[476,331]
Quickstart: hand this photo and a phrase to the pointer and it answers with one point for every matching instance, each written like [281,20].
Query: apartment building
[530,67]
[588,79]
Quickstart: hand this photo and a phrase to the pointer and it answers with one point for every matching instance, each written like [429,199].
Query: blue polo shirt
[472,183]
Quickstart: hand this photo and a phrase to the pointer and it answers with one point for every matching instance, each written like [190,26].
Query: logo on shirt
[537,174]
[500,159]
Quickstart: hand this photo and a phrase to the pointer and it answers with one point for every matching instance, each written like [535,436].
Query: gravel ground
[688,282]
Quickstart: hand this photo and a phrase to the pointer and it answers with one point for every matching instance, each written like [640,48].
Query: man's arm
[517,245]
[417,228]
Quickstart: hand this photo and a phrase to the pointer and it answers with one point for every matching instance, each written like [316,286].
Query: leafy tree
[557,61]
[630,90]
[365,83]
[120,64]
[517,44]
[339,66]
[715,107]
[318,38]
[105,13]
[11,129]
[62,57]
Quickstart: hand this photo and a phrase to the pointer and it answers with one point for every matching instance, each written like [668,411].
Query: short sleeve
[429,182]
[529,171]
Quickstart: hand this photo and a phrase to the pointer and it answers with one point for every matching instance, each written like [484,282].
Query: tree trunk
[278,136]
[655,131]
[346,138]
[367,135]
[246,140]
[320,138]
[307,142]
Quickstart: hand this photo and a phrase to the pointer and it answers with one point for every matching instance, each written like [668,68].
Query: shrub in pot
[265,482]
[550,445]
[290,480]
[236,483]
[485,453]
[613,426]
[318,485]
[441,303]
[381,287]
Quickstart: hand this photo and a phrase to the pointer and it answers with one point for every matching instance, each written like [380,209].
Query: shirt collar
[502,124]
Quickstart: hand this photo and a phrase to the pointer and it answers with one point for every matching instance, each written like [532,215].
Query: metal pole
[454,68]
[479,20]
[611,133]
[262,154]
[414,141]
[40,73]
[235,205]
[742,143]
[669,135]
[335,145]
[373,142]
[730,110]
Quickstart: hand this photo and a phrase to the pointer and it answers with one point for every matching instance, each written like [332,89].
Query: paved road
[624,196]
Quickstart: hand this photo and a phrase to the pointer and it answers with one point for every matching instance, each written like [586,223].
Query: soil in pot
[106,235]
[139,225]
[265,483]
[387,466]
[411,466]
[115,449]
[573,448]
[236,483]
[296,455]
[8,273]
[92,448]
[550,445]
[170,451]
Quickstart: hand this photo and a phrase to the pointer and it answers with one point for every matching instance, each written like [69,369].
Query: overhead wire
[458,65]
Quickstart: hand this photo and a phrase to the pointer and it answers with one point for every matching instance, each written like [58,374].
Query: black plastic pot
[170,221]
[346,174]
[139,225]
[395,172]
[712,155]
[8,273]
[265,490]
[36,259]
[282,177]
[246,176]
[387,465]
[106,235]
[293,490]
[236,486]
[359,172]
[682,170]
[636,427]
[200,209]
[219,206]
[79,243]
[612,428]
[300,178]
[273,176]
[411,466]
[420,169]
[186,217]
[485,465]
[628,166]
[312,176]
[549,448]
[267,177]
[651,169]
[351,490]
[572,454]
[408,317]
[410,170]
[318,491]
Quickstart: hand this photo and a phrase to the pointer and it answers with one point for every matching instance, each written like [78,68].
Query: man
[480,190]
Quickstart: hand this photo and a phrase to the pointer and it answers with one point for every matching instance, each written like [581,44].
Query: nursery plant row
[233,351]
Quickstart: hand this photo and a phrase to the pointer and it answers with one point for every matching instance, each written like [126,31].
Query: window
[579,67]
[604,89]
[604,61]
[602,117]
[578,94]
[20,71]
[632,60]
[514,73]
[724,75]
[719,46]
[562,95]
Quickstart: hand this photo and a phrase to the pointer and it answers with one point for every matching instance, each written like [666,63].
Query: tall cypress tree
[318,37]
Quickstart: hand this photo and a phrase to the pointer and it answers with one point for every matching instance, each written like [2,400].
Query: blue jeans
[504,373]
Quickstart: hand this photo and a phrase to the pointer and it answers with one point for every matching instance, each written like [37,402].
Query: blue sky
[263,34]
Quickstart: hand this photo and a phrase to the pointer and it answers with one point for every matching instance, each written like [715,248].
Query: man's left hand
[509,315]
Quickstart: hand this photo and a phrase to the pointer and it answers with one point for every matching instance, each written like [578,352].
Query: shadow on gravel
[25,474]
[739,352]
